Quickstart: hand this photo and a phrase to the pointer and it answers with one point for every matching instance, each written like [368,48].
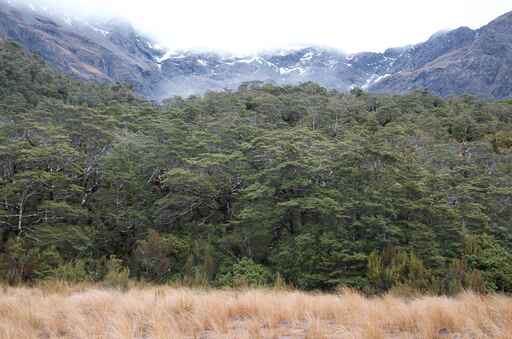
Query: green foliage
[21,264]
[160,258]
[328,189]
[74,271]
[460,277]
[485,255]
[118,276]
[395,268]
[245,273]
[503,141]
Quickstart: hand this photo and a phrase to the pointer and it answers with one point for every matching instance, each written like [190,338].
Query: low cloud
[240,27]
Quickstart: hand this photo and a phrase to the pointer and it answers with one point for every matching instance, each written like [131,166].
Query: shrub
[397,268]
[22,263]
[503,140]
[118,276]
[159,258]
[493,262]
[245,273]
[73,271]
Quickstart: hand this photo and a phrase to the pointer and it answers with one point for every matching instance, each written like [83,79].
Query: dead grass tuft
[85,311]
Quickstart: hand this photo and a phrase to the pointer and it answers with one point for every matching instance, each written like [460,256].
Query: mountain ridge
[481,66]
[456,62]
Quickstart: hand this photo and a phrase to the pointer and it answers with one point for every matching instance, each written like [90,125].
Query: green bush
[118,276]
[485,255]
[245,273]
[397,269]
[159,258]
[73,271]
[21,263]
[503,140]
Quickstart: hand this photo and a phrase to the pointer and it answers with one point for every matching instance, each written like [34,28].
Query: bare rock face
[462,61]
[103,52]
[480,64]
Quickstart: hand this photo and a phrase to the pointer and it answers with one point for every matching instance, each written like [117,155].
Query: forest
[295,185]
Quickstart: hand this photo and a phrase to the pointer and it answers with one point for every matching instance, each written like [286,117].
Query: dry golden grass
[76,312]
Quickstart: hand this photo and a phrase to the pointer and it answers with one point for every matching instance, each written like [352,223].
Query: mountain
[461,61]
[110,51]
[476,62]
[189,72]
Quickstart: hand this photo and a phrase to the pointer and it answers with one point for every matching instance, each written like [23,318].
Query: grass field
[79,312]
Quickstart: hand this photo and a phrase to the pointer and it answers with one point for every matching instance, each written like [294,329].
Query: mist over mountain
[460,61]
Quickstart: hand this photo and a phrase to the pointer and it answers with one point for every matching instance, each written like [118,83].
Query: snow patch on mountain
[307,57]
[373,79]
[284,71]
[156,46]
[250,60]
[165,57]
[99,30]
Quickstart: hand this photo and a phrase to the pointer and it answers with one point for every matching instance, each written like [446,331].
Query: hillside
[461,61]
[297,183]
[104,51]
[479,65]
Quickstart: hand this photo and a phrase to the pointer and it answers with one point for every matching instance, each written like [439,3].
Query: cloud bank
[247,26]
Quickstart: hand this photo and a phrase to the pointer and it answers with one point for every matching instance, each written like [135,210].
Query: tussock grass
[86,311]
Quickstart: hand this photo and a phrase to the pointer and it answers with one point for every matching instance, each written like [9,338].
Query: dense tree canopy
[316,187]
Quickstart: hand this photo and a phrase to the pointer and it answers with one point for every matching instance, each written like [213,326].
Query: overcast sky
[245,26]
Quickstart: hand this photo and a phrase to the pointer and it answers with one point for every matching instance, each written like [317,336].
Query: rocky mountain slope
[462,61]
[108,51]
[481,65]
